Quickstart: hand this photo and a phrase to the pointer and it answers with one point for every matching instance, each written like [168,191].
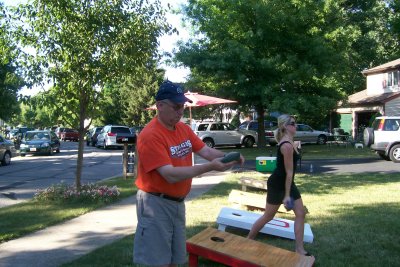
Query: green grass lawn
[27,217]
[354,218]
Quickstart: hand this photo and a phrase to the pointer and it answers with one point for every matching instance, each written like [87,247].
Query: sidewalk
[72,239]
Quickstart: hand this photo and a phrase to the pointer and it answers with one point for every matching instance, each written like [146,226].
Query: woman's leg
[299,225]
[269,213]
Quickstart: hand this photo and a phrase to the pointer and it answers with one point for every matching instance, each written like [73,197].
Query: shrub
[68,193]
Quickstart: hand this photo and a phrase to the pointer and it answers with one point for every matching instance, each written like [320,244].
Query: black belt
[177,199]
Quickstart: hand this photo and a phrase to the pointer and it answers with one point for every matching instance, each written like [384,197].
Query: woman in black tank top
[281,186]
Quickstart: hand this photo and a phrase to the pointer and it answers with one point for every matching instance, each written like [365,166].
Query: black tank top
[278,177]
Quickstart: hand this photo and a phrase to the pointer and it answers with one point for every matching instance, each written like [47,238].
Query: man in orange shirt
[164,179]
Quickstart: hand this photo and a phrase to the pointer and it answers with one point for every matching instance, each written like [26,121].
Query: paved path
[72,239]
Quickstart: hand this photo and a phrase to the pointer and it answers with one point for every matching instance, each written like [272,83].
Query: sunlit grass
[354,218]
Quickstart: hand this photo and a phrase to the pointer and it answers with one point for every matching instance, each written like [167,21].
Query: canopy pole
[190,116]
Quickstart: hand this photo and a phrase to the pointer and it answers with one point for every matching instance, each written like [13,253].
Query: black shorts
[276,196]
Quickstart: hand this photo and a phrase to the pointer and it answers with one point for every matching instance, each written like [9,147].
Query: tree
[45,110]
[112,105]
[363,34]
[297,57]
[139,93]
[10,80]
[270,54]
[82,45]
[394,21]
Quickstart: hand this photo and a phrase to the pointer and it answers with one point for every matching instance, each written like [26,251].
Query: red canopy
[200,100]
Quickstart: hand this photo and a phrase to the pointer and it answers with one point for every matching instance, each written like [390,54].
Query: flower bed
[87,193]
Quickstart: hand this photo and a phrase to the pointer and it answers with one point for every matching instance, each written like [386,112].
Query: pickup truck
[69,134]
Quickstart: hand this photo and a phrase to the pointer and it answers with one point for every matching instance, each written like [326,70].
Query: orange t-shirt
[158,146]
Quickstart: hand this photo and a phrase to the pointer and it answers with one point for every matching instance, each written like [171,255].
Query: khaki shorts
[160,237]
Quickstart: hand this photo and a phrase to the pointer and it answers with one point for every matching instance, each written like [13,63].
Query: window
[202,127]
[229,127]
[120,130]
[391,125]
[396,78]
[393,78]
[213,127]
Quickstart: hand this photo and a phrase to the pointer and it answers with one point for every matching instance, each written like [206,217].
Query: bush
[87,193]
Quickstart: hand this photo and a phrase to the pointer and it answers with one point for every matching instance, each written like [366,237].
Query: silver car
[305,134]
[7,151]
[220,133]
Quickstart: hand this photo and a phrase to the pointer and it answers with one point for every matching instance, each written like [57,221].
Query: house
[381,97]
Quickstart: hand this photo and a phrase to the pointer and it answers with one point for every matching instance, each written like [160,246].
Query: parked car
[305,134]
[384,137]
[12,134]
[7,151]
[58,131]
[253,125]
[39,142]
[91,135]
[221,133]
[18,135]
[69,134]
[136,129]
[114,136]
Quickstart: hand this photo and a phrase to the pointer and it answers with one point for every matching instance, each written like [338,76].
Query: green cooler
[265,164]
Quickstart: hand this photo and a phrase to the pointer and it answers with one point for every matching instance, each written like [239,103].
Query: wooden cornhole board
[246,219]
[252,200]
[251,182]
[237,251]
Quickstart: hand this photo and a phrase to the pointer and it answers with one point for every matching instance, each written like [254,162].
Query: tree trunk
[261,129]
[79,162]
[82,130]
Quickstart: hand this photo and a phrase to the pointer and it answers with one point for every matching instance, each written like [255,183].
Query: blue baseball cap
[173,92]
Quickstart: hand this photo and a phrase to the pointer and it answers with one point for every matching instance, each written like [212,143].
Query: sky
[167,43]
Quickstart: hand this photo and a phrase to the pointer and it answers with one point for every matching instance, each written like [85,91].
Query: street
[25,175]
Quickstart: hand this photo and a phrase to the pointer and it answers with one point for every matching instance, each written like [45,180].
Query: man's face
[169,112]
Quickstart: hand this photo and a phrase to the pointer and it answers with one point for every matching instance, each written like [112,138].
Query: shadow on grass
[324,184]
[361,235]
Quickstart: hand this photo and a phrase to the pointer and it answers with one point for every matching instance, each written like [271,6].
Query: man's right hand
[218,165]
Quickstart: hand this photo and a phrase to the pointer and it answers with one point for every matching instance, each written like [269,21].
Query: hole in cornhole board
[237,214]
[217,239]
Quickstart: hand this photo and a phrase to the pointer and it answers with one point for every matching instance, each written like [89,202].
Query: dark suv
[384,137]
